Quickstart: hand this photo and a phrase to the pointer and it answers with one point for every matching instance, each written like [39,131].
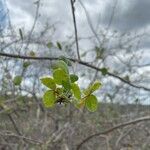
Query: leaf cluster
[63,88]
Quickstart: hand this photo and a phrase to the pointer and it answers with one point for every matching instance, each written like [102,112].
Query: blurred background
[113,35]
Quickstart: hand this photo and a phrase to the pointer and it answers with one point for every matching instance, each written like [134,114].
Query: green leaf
[83,54]
[60,76]
[21,34]
[32,54]
[17,80]
[87,91]
[127,78]
[92,88]
[62,65]
[66,85]
[48,82]
[91,103]
[66,60]
[76,90]
[73,78]
[26,64]
[49,99]
[104,71]
[96,86]
[49,45]
[59,46]
[99,52]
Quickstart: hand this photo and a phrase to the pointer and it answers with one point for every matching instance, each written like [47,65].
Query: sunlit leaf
[87,91]
[60,76]
[62,65]
[76,90]
[92,88]
[96,86]
[49,99]
[91,103]
[48,82]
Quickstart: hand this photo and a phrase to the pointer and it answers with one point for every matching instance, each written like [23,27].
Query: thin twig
[75,27]
[14,124]
[90,23]
[34,23]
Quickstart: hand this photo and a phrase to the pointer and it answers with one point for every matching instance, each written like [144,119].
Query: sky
[129,16]
[2,14]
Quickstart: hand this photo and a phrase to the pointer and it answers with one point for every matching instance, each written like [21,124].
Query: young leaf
[62,65]
[48,82]
[21,34]
[17,80]
[26,64]
[91,103]
[87,91]
[127,78]
[92,88]
[59,46]
[32,53]
[49,99]
[73,78]
[60,76]
[76,90]
[66,60]
[96,86]
[104,71]
[49,45]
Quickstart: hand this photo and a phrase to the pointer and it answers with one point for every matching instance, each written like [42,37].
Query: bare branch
[34,23]
[30,140]
[75,60]
[113,129]
[75,27]
[14,124]
[90,23]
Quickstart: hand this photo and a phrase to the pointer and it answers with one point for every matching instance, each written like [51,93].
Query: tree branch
[74,60]
[113,129]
